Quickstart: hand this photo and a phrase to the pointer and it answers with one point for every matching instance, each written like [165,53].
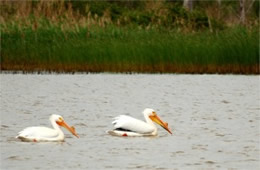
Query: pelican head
[153,116]
[61,122]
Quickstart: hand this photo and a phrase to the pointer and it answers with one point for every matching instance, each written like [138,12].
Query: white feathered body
[128,126]
[37,134]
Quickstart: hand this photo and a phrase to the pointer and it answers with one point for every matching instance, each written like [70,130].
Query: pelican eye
[154,113]
[60,119]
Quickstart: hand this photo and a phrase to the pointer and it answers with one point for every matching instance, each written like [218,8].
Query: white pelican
[128,126]
[39,134]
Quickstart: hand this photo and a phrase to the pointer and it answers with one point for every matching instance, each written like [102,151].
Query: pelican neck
[150,122]
[54,124]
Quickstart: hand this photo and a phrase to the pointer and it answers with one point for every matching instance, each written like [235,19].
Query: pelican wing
[131,124]
[34,132]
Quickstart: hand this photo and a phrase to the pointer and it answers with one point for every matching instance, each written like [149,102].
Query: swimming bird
[128,126]
[39,134]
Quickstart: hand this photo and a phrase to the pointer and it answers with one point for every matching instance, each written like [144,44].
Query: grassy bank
[70,41]
[127,49]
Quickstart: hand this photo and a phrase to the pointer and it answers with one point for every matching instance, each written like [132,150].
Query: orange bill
[71,129]
[157,120]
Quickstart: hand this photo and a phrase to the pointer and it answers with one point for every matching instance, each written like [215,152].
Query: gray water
[214,119]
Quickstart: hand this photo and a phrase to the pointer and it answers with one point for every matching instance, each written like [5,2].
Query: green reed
[114,48]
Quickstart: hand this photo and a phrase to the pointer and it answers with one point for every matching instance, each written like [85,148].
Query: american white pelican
[127,126]
[39,134]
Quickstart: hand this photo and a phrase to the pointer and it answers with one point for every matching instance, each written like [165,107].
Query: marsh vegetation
[133,36]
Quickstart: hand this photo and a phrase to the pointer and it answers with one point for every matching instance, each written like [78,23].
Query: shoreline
[126,40]
[138,69]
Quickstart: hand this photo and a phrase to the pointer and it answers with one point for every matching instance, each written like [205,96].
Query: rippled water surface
[214,119]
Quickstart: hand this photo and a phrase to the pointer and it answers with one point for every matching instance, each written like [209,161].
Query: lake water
[214,118]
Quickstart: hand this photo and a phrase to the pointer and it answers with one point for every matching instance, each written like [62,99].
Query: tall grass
[131,49]
[53,36]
